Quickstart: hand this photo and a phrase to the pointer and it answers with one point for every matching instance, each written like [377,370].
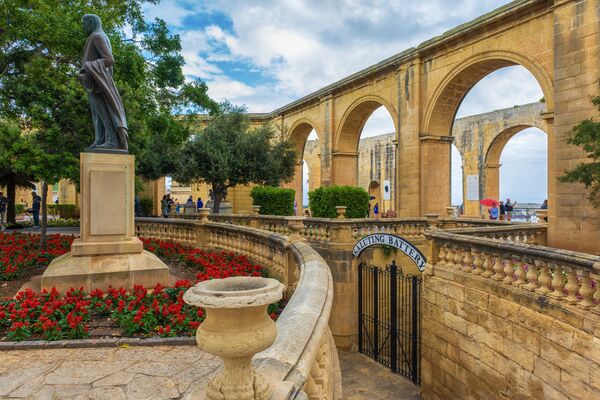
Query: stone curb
[96,343]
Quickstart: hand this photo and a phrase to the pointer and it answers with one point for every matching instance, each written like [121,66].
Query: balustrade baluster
[477,261]
[509,270]
[457,258]
[572,286]
[488,264]
[558,281]
[544,277]
[449,256]
[586,291]
[519,272]
[467,265]
[498,268]
[532,276]
[442,254]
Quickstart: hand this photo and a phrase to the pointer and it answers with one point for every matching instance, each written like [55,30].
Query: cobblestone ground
[363,378]
[136,372]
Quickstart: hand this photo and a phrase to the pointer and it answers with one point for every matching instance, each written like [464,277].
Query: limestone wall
[485,340]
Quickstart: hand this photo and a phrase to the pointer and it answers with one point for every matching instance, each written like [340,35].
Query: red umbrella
[488,202]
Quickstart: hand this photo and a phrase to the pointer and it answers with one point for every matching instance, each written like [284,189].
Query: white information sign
[473,187]
[386,190]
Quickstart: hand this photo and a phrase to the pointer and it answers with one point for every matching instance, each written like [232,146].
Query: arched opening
[375,198]
[307,177]
[517,168]
[454,92]
[365,149]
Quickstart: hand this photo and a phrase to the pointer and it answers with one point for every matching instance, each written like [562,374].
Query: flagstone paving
[132,373]
[363,378]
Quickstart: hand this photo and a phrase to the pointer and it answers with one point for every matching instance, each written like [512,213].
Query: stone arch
[299,131]
[347,137]
[298,135]
[449,94]
[354,118]
[491,167]
[440,113]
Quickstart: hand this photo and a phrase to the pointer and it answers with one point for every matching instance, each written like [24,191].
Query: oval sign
[385,239]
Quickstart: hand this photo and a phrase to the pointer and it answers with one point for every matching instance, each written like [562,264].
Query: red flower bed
[18,252]
[140,313]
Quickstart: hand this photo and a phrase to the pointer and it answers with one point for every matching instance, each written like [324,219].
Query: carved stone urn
[236,327]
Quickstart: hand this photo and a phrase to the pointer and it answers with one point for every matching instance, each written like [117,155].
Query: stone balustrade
[183,232]
[303,357]
[506,319]
[565,276]
[521,233]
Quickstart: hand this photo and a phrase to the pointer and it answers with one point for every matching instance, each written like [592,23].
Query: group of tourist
[502,211]
[167,204]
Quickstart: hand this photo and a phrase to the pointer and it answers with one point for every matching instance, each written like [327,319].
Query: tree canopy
[587,135]
[226,153]
[41,44]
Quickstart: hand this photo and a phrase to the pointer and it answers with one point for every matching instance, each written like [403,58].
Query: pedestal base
[102,271]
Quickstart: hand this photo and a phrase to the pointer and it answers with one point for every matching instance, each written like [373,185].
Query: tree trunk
[44,215]
[217,196]
[11,194]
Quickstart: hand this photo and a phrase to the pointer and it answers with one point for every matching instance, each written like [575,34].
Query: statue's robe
[108,114]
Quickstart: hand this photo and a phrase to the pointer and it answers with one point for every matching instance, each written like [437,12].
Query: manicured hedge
[147,206]
[322,201]
[273,200]
[66,211]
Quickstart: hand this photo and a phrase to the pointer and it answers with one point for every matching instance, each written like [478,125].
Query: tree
[13,147]
[226,154]
[587,135]
[40,55]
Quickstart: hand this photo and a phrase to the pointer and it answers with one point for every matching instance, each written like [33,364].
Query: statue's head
[91,23]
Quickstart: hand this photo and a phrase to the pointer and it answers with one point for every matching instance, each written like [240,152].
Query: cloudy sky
[267,53]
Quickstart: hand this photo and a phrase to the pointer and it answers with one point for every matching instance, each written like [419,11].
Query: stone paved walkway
[363,378]
[132,373]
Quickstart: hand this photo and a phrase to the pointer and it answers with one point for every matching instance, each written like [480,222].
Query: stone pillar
[435,173]
[344,270]
[345,168]
[108,252]
[492,181]
[572,221]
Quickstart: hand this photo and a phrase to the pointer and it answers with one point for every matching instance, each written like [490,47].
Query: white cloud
[168,10]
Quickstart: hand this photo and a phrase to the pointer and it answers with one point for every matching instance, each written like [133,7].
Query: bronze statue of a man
[108,114]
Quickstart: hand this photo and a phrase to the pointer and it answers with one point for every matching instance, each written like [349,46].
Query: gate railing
[389,318]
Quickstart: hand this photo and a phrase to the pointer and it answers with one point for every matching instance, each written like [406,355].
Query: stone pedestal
[107,253]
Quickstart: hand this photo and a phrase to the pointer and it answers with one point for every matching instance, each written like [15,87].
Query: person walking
[177,207]
[35,209]
[199,203]
[3,204]
[509,209]
[502,210]
[376,210]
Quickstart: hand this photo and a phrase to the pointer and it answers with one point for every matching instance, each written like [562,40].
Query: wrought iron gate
[389,318]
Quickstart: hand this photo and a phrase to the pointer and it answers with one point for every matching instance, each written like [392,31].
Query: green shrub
[19,208]
[147,206]
[322,201]
[273,200]
[65,211]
